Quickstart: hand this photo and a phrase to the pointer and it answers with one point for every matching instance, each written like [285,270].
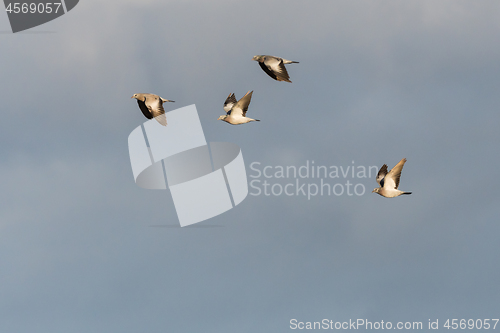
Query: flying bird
[236,110]
[389,181]
[151,106]
[274,66]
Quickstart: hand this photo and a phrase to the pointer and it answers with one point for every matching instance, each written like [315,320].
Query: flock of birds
[151,106]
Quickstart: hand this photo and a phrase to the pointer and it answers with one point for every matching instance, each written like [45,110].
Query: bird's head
[136,96]
[257,57]
[376,190]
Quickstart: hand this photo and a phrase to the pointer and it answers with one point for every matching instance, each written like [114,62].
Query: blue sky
[83,249]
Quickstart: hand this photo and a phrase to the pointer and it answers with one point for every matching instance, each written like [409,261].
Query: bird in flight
[274,66]
[236,110]
[151,106]
[389,181]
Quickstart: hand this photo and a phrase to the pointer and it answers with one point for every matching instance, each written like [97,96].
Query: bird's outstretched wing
[381,174]
[144,109]
[392,178]
[277,68]
[229,103]
[155,106]
[267,70]
[241,107]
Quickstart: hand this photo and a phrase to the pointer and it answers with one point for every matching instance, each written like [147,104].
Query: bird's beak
[373,191]
[132,97]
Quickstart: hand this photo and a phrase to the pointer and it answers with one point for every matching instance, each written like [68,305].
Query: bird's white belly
[237,120]
[391,193]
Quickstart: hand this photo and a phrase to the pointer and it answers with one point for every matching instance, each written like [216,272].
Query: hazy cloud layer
[83,249]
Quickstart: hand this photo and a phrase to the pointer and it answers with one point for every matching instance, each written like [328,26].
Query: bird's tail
[290,61]
[166,100]
[406,193]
